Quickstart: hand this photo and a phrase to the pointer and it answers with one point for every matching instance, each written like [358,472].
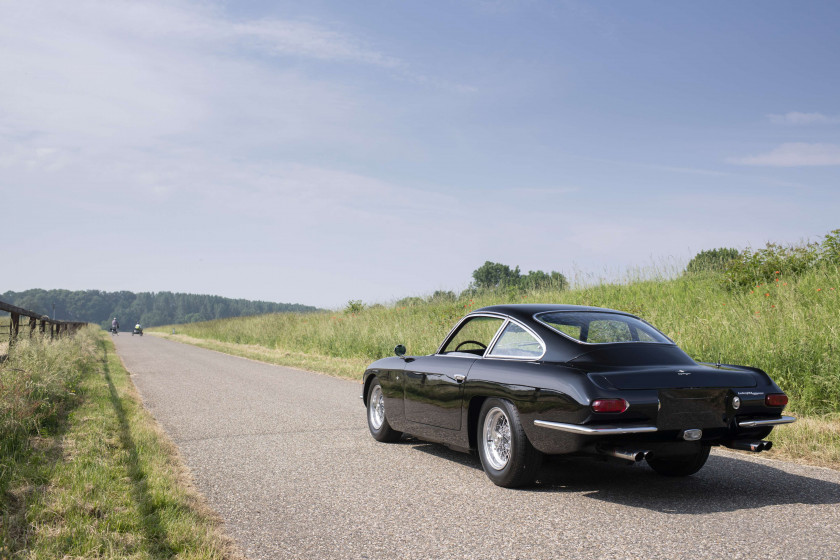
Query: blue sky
[322,151]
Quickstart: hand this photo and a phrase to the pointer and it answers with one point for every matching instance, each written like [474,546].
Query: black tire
[508,458]
[377,421]
[684,464]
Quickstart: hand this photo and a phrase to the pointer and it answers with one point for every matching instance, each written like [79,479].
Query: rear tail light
[776,399]
[609,405]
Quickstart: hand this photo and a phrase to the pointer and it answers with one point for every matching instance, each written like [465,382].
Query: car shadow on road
[725,484]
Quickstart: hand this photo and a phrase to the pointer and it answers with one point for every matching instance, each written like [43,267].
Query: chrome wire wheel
[496,440]
[376,408]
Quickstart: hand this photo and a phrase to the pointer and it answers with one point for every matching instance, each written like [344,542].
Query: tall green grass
[38,383]
[789,327]
[84,470]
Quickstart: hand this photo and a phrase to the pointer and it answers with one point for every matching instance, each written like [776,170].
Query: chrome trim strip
[770,422]
[603,430]
[496,337]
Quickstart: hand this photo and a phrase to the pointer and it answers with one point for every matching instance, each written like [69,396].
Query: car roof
[526,311]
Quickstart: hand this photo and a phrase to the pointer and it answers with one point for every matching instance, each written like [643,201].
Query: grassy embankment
[84,470]
[789,328]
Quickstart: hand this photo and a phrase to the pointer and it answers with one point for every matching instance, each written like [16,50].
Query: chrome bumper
[603,430]
[613,429]
[769,422]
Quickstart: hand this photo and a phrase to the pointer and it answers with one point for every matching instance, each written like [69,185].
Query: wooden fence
[36,323]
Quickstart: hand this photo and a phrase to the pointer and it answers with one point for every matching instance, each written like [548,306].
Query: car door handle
[458,377]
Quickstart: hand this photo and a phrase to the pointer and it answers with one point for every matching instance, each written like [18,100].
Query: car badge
[682,372]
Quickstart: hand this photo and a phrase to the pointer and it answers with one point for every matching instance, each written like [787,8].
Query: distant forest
[151,309]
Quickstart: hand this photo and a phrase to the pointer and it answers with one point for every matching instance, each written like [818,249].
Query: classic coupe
[517,382]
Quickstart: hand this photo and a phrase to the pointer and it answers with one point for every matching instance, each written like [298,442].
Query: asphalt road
[285,457]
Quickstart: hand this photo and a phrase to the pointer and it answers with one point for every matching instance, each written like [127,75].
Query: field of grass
[84,470]
[789,327]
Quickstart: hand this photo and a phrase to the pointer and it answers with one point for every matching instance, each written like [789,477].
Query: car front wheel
[682,464]
[508,458]
[378,424]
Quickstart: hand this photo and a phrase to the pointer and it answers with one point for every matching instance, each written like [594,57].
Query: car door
[434,384]
[434,389]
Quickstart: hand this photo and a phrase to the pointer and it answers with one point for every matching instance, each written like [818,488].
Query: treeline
[149,308]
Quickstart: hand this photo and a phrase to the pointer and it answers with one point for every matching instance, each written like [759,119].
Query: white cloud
[306,39]
[796,118]
[795,154]
[130,72]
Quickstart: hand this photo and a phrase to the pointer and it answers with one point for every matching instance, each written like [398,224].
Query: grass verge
[347,368]
[813,440]
[100,479]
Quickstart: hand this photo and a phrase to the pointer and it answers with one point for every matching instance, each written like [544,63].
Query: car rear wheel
[508,458]
[378,424]
[682,464]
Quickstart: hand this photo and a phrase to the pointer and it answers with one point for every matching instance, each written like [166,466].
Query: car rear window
[595,327]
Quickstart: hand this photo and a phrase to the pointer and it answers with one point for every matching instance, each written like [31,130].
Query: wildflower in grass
[767,295]
[777,272]
[819,289]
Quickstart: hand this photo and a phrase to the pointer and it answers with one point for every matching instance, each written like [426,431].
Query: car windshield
[595,327]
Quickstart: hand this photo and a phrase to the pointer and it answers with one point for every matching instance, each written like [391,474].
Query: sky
[325,151]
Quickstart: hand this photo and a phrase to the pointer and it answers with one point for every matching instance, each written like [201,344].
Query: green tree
[490,276]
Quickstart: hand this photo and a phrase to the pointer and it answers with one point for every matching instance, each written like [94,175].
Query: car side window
[516,342]
[474,336]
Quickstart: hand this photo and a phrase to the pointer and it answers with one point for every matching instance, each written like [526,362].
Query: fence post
[32,322]
[14,327]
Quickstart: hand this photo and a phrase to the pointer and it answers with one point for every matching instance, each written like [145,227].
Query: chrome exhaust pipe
[747,445]
[632,455]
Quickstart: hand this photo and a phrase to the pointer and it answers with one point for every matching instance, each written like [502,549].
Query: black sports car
[516,382]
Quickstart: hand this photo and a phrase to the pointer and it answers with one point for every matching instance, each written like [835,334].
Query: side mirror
[399,350]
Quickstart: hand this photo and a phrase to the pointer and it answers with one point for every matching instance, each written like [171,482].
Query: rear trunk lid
[672,377]
[656,366]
